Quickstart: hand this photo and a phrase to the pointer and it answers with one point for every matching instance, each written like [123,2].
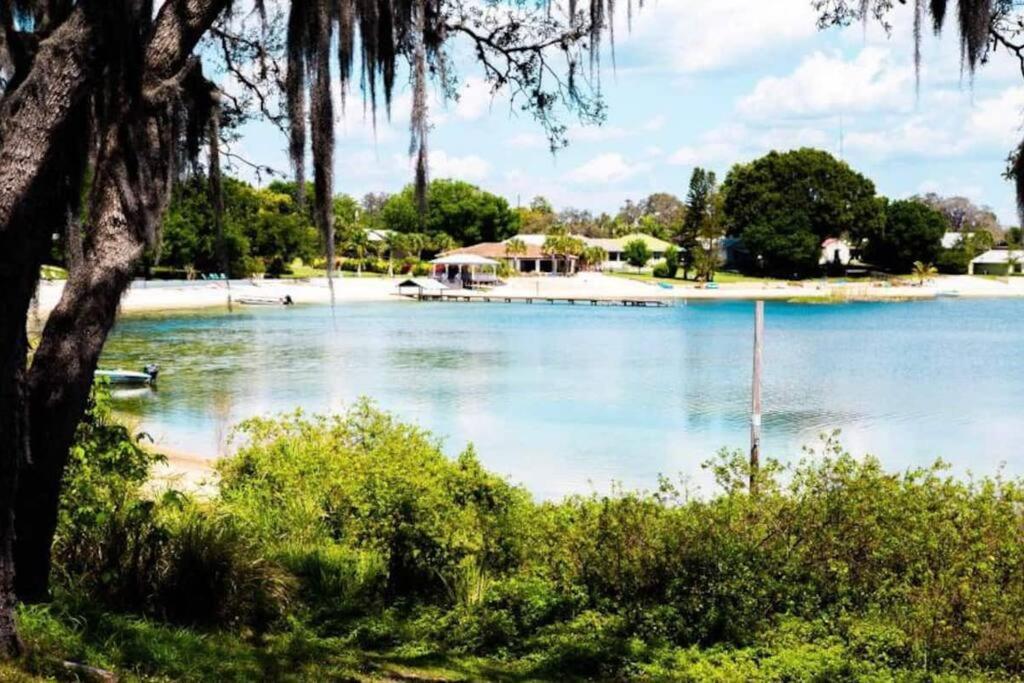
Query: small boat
[131,378]
[952,293]
[665,285]
[285,300]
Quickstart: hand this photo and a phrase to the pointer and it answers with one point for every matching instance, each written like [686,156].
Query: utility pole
[755,412]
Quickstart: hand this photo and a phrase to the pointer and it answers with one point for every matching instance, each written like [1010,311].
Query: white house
[997,262]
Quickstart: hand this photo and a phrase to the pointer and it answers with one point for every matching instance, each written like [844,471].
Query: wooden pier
[466,297]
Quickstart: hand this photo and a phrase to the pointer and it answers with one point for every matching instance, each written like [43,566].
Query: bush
[162,556]
[370,483]
[661,269]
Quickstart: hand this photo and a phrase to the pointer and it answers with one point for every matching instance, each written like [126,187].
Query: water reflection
[559,397]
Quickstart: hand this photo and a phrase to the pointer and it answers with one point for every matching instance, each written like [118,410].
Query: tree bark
[133,177]
[61,375]
[32,116]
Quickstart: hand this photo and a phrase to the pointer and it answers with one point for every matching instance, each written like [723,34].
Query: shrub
[371,483]
[661,269]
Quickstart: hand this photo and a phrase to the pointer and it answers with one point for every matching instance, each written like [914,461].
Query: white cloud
[689,36]
[475,100]
[606,169]
[998,119]
[527,141]
[597,133]
[470,167]
[829,84]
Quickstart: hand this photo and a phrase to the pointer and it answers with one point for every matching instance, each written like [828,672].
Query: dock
[469,297]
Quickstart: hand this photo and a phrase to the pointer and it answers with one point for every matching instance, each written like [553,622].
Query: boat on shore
[285,300]
[131,378]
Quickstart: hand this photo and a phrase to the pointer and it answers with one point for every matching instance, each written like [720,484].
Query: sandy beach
[152,297]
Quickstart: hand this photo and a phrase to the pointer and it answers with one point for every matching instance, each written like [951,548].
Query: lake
[571,398]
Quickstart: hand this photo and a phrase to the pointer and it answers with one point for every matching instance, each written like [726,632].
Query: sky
[713,83]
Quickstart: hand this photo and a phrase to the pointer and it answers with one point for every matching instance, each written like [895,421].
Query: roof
[379,235]
[531,239]
[423,283]
[497,251]
[999,256]
[951,239]
[619,243]
[835,242]
[459,259]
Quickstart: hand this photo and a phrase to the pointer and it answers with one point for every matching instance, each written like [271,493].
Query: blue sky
[712,84]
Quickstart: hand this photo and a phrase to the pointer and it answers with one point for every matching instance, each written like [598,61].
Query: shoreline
[175,296]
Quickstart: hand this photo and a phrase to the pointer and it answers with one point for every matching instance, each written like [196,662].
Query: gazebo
[467,270]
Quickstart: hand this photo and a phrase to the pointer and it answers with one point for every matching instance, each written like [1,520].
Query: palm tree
[442,242]
[924,271]
[357,245]
[591,257]
[515,248]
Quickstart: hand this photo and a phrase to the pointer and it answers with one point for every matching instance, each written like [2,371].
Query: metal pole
[755,412]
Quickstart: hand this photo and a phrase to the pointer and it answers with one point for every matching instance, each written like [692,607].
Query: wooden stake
[755,412]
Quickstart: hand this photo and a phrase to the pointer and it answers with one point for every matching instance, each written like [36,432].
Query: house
[835,252]
[534,260]
[616,247]
[997,262]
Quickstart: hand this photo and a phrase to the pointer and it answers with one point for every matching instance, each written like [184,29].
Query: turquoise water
[567,399]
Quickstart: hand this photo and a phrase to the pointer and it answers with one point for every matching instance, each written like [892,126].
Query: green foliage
[784,205]
[263,230]
[164,556]
[912,232]
[463,211]
[671,261]
[636,253]
[331,534]
[365,481]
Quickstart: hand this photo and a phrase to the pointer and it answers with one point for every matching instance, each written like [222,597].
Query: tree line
[780,208]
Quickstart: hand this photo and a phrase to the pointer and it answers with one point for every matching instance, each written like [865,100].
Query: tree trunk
[132,186]
[32,116]
[61,374]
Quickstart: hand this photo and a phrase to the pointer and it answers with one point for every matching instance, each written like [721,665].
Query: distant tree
[515,248]
[357,242]
[576,221]
[706,258]
[659,214]
[563,246]
[911,232]
[956,259]
[538,218]
[672,261]
[784,205]
[593,256]
[442,242]
[463,211]
[260,225]
[637,254]
[962,214]
[698,206]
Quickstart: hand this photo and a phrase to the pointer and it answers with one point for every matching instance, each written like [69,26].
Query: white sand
[155,297]
[176,296]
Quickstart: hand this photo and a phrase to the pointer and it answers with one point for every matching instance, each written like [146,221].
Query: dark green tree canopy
[463,211]
[785,204]
[912,232]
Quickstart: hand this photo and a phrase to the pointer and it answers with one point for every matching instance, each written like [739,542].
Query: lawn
[722,278]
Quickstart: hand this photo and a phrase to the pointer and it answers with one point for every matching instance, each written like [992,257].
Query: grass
[722,278]
[138,649]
